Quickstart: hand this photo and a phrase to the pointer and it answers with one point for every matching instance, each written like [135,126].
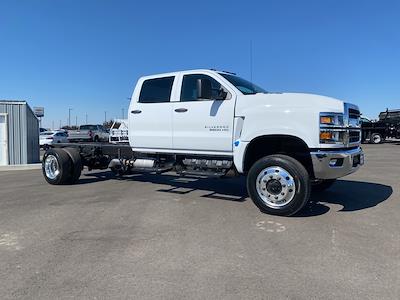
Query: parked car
[88,133]
[210,123]
[52,137]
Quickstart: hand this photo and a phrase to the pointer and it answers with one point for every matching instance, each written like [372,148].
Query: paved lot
[147,237]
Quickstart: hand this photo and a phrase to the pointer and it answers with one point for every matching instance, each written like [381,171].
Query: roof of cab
[185,72]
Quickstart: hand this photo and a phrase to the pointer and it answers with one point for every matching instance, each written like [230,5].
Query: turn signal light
[327,120]
[326,135]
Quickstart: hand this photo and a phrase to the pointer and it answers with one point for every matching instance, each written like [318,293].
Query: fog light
[336,162]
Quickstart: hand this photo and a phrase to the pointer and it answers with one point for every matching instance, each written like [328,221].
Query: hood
[290,101]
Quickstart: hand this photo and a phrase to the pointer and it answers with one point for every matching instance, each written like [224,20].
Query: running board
[201,173]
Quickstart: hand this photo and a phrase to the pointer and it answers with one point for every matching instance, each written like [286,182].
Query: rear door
[203,124]
[150,120]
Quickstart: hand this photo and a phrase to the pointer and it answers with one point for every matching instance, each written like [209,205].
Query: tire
[376,138]
[264,178]
[322,185]
[96,139]
[57,166]
[76,164]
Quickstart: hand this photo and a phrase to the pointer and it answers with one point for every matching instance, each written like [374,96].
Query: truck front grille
[354,113]
[354,136]
[352,116]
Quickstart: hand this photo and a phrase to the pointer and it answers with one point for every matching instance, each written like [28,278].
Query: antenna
[251,60]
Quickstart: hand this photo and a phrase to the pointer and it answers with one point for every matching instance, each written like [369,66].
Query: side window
[189,87]
[156,90]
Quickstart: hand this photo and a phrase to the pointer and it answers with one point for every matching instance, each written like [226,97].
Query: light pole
[69,117]
[123,113]
[105,116]
[76,121]
[86,119]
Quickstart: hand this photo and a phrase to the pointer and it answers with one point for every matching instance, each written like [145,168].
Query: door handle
[181,110]
[137,111]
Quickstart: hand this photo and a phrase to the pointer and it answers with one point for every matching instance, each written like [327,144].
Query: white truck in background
[212,123]
[119,133]
[88,133]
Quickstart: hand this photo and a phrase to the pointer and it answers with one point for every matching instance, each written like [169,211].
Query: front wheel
[278,185]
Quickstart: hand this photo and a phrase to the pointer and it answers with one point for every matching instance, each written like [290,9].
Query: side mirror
[204,89]
[222,94]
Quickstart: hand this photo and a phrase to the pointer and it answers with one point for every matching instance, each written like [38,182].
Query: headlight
[331,119]
[332,129]
[332,136]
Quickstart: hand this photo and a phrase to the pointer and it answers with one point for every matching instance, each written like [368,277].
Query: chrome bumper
[335,164]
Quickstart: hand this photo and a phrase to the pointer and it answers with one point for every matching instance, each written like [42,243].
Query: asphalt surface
[149,237]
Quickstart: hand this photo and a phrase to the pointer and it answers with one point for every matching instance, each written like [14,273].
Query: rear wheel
[57,166]
[278,185]
[76,164]
[376,138]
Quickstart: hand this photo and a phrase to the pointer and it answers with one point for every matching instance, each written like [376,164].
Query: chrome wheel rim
[51,167]
[275,186]
[377,139]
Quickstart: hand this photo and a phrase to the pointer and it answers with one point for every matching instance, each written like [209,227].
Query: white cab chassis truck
[211,123]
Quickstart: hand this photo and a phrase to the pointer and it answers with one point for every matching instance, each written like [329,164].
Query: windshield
[88,127]
[246,87]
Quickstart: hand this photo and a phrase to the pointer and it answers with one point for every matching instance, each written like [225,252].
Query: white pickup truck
[211,123]
[88,133]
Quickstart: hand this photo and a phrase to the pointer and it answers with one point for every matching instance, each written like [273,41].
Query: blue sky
[87,55]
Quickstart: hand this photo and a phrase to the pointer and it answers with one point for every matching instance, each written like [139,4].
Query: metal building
[19,133]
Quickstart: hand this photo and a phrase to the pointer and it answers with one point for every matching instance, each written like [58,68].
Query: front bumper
[335,164]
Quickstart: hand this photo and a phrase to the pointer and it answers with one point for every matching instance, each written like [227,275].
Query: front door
[203,124]
[3,140]
[151,116]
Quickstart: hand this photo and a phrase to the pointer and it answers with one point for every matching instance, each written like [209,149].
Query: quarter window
[156,90]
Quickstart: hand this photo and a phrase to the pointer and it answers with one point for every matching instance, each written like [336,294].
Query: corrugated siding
[23,131]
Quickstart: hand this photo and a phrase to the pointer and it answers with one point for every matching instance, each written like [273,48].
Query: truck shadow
[350,195]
